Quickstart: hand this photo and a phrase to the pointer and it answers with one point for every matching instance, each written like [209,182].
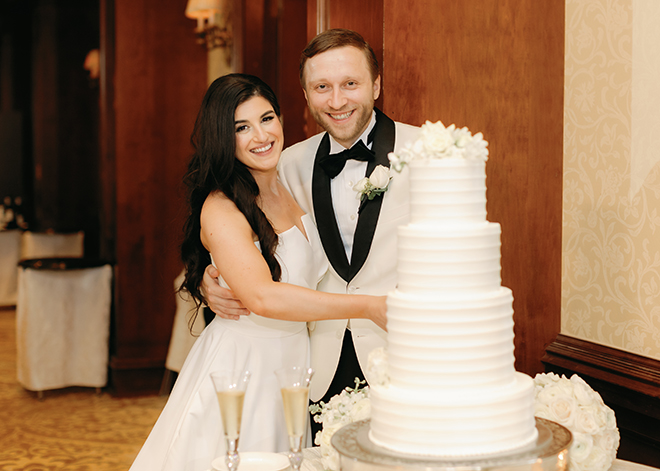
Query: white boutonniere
[376,184]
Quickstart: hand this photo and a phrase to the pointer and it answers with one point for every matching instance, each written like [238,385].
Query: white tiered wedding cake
[451,389]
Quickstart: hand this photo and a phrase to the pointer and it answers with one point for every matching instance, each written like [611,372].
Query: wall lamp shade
[203,10]
[211,15]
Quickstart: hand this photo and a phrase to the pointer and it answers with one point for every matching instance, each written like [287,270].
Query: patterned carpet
[72,429]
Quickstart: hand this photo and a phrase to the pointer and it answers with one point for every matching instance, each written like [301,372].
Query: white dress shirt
[345,200]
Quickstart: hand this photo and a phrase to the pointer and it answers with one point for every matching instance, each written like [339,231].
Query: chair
[46,244]
[182,339]
[63,323]
[10,252]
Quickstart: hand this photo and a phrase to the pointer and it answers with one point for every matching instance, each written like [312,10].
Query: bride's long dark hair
[214,167]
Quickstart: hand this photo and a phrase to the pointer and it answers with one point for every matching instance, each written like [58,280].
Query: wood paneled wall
[159,82]
[271,34]
[62,173]
[365,17]
[497,68]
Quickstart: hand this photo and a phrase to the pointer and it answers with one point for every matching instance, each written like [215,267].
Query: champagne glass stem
[295,452]
[233,459]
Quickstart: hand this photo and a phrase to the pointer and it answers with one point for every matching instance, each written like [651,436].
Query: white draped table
[63,323]
[182,339]
[312,462]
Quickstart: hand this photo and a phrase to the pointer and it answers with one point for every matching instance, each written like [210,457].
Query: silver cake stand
[358,453]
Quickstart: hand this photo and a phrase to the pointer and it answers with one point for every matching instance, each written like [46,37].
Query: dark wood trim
[159,76]
[628,383]
[237,18]
[429,75]
[107,173]
[136,363]
[635,372]
[136,381]
[136,376]
[107,131]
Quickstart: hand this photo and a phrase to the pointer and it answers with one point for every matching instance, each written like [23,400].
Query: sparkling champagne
[231,410]
[295,409]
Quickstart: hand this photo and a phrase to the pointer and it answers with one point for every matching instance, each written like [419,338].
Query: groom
[340,77]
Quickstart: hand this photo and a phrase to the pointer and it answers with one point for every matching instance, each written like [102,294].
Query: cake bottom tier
[456,423]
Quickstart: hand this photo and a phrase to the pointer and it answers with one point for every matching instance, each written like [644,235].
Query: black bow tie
[334,163]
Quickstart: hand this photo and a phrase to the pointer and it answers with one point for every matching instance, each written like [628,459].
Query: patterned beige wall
[611,217]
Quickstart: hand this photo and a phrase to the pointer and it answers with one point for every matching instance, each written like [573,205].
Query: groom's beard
[345,132]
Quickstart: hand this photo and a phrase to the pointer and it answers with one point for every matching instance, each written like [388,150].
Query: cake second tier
[449,258]
[452,190]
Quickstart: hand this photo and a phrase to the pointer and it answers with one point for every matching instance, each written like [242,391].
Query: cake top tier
[439,142]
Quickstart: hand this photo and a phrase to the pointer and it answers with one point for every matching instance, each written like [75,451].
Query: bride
[267,251]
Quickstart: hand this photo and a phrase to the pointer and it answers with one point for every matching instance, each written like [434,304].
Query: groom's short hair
[334,38]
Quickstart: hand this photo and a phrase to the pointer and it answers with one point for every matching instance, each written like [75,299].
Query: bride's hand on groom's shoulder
[221,300]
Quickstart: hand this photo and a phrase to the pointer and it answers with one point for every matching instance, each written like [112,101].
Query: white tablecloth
[312,462]
[312,459]
[62,327]
[10,253]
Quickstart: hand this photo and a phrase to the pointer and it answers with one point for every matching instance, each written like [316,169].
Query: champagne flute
[294,385]
[230,387]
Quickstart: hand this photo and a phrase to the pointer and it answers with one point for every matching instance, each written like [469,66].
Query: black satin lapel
[324,212]
[364,232]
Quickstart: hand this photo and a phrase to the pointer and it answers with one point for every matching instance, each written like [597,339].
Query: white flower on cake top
[439,142]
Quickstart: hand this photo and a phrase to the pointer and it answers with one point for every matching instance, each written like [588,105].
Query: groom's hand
[221,300]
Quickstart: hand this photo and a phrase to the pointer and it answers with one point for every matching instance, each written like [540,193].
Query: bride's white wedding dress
[188,434]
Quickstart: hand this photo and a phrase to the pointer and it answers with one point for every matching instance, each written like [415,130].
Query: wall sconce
[212,25]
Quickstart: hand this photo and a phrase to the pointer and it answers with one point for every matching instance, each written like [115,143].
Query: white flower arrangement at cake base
[573,404]
[439,142]
[568,402]
[351,405]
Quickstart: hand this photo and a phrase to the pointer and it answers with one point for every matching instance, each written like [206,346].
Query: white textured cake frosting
[450,387]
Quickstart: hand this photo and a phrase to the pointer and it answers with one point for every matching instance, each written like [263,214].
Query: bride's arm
[228,236]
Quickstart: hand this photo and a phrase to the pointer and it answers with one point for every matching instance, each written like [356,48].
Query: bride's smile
[259,135]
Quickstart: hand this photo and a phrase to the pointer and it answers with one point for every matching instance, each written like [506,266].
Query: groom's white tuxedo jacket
[372,269]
